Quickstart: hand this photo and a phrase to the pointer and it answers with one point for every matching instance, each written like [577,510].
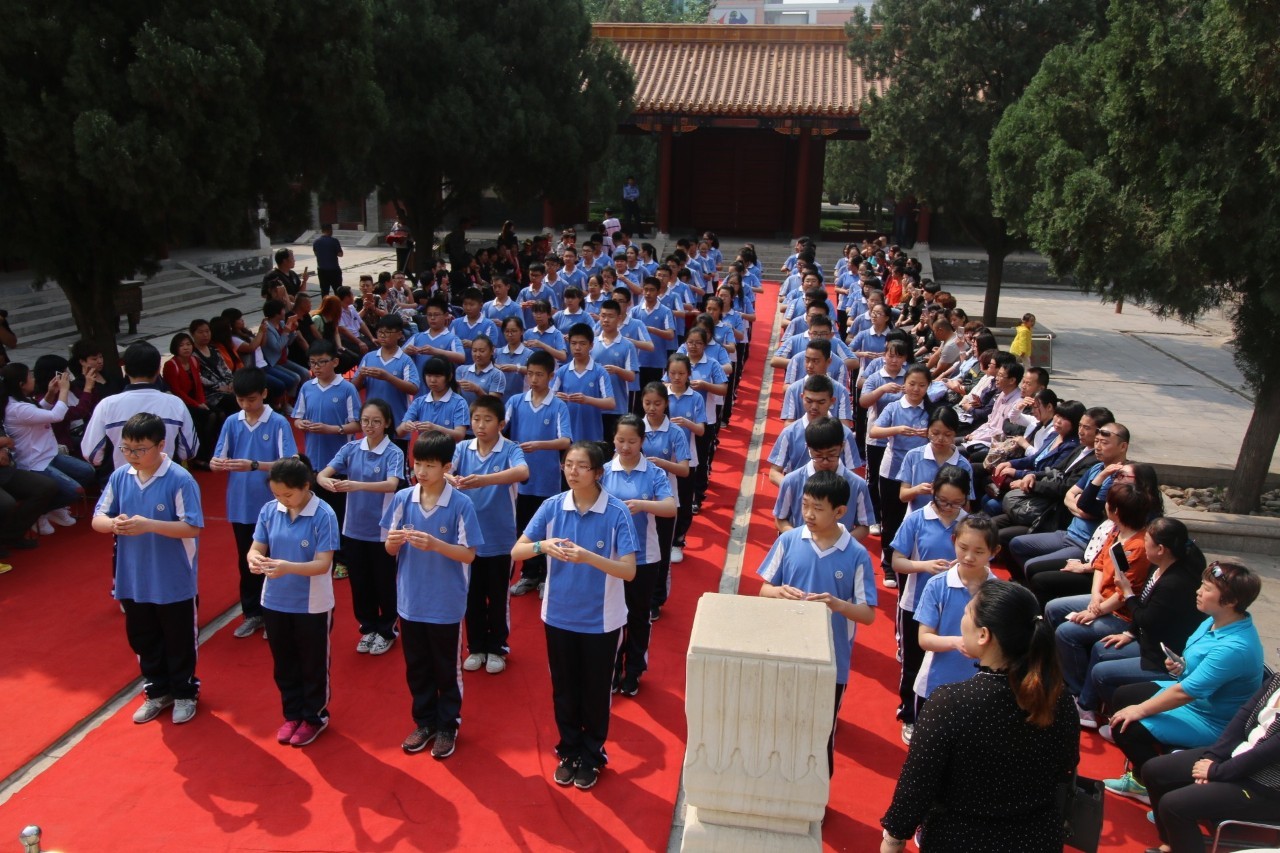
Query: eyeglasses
[825,455]
[320,362]
[944,504]
[371,421]
[577,466]
[136,452]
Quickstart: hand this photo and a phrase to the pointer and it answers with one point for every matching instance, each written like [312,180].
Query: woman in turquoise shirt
[1221,667]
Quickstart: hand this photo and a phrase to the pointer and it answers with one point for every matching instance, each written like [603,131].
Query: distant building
[790,12]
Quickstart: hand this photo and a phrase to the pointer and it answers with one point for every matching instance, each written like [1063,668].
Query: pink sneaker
[308,732]
[285,733]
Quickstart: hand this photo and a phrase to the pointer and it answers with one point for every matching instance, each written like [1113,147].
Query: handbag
[1025,510]
[1081,801]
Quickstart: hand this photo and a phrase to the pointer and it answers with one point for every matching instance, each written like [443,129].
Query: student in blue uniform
[542,333]
[433,533]
[488,469]
[502,306]
[660,324]
[817,361]
[821,562]
[250,443]
[667,446]
[327,413]
[590,546]
[368,473]
[389,373]
[473,323]
[584,386]
[438,340]
[441,407]
[152,506]
[708,378]
[942,603]
[825,440]
[538,422]
[511,358]
[645,490]
[882,387]
[482,377]
[294,541]
[572,312]
[905,424]
[790,451]
[536,292]
[921,464]
[688,411]
[923,546]
[618,357]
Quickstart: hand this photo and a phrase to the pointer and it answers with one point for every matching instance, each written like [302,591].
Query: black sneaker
[565,771]
[418,739]
[655,613]
[617,681]
[586,776]
[630,685]
[446,743]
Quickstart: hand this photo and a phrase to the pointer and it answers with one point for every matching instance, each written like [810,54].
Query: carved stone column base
[701,834]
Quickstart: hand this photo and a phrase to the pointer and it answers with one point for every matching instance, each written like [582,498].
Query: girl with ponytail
[988,754]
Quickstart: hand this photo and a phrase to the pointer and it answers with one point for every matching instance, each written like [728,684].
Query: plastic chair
[1219,842]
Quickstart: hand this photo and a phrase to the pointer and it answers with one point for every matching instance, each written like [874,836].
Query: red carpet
[66,652]
[222,783]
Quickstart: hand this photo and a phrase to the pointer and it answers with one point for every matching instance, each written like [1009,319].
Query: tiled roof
[758,71]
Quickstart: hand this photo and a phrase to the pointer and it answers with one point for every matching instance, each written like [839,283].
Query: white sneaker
[495,665]
[908,729]
[61,517]
[1105,733]
[151,708]
[890,583]
[875,530]
[43,527]
[677,554]
[1088,719]
[183,710]
[474,662]
[381,645]
[366,642]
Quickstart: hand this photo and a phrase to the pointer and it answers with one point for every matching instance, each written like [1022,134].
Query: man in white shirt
[141,366]
[1008,395]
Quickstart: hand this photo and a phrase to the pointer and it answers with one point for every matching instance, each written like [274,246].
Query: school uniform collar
[565,312]
[379,450]
[443,500]
[609,344]
[662,427]
[809,470]
[448,395]
[399,353]
[497,445]
[953,576]
[520,350]
[953,459]
[704,359]
[687,391]
[163,469]
[472,367]
[501,303]
[243,417]
[471,325]
[337,379]
[308,510]
[902,402]
[931,512]
[573,365]
[886,375]
[568,504]
[546,401]
[615,464]
[840,544]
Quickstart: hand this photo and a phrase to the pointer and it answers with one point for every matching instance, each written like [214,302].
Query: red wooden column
[548,213]
[664,181]
[803,165]
[922,225]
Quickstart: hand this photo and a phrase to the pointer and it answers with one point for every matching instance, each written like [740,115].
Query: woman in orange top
[182,375]
[1082,620]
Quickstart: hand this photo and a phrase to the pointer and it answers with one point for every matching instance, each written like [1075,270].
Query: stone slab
[703,837]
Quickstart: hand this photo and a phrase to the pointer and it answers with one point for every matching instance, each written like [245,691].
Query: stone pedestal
[760,696]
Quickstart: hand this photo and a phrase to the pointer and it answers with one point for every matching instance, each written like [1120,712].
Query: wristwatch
[537,548]
[253,464]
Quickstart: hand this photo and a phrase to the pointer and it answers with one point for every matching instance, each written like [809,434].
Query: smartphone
[1173,656]
[1117,555]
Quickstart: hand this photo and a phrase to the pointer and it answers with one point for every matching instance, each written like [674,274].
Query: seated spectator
[24,496]
[35,449]
[1075,576]
[215,368]
[182,374]
[328,326]
[306,328]
[1164,615]
[1234,779]
[1219,671]
[1080,621]
[1057,437]
[1037,552]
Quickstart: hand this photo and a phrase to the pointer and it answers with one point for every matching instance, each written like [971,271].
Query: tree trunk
[1244,490]
[94,311]
[995,278]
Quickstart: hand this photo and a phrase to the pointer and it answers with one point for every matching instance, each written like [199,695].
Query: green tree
[130,125]
[484,94]
[1144,163]
[952,68]
[649,11]
[852,173]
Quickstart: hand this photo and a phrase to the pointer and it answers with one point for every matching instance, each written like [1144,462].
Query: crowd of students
[578,416]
